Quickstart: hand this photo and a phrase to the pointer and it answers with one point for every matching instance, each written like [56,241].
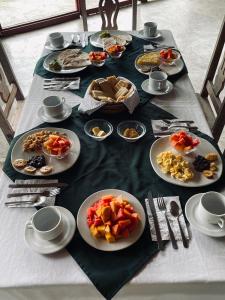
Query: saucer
[191,211]
[49,46]
[46,247]
[147,89]
[173,69]
[158,35]
[49,119]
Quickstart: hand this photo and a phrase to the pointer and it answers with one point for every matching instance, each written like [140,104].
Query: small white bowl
[102,124]
[140,127]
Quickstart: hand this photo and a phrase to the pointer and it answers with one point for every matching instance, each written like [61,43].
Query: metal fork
[53,192]
[162,207]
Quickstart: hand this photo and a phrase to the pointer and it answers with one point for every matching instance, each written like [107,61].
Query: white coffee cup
[150,29]
[158,80]
[53,106]
[46,222]
[56,39]
[211,209]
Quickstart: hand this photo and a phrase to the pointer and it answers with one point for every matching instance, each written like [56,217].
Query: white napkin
[48,201]
[156,124]
[162,221]
[89,105]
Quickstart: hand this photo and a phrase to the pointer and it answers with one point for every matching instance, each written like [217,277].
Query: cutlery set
[167,127]
[175,212]
[62,84]
[40,196]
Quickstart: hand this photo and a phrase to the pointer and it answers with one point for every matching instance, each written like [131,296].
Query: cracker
[20,163]
[46,169]
[30,169]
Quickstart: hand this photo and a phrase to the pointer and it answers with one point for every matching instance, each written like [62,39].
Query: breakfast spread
[130,133]
[182,141]
[111,89]
[175,165]
[98,132]
[112,218]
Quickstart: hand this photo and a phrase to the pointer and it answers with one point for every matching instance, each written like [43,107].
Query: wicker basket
[113,108]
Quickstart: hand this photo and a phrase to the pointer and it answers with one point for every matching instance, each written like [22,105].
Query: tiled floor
[194,23]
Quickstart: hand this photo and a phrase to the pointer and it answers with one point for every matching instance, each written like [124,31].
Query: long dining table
[194,273]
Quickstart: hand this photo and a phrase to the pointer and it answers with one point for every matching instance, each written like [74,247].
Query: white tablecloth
[194,273]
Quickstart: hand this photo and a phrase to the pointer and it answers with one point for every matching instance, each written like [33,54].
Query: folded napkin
[48,201]
[162,221]
[157,124]
[89,104]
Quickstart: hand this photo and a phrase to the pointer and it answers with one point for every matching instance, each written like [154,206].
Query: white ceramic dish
[47,247]
[96,41]
[145,87]
[169,69]
[191,212]
[59,165]
[67,110]
[158,35]
[101,244]
[53,56]
[49,46]
[162,144]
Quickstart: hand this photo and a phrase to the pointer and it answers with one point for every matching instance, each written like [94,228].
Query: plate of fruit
[186,160]
[111,220]
[45,151]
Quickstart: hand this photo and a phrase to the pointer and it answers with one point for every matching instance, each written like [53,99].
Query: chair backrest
[7,95]
[109,10]
[214,83]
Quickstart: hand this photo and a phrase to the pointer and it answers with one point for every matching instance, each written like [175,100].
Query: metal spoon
[174,209]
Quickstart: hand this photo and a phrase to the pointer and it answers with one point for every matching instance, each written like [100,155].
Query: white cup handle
[221,222]
[29,225]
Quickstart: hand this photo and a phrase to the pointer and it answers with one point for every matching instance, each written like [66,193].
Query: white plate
[53,56]
[96,41]
[163,144]
[101,244]
[145,87]
[46,247]
[191,212]
[169,69]
[47,118]
[59,165]
[158,35]
[49,46]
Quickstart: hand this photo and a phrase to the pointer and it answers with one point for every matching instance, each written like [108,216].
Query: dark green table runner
[120,67]
[113,163]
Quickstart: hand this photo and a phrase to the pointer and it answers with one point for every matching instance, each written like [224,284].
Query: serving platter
[163,144]
[96,41]
[53,56]
[59,165]
[169,69]
[102,244]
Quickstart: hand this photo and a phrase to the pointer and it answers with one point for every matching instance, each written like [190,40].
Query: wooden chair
[7,95]
[213,106]
[109,10]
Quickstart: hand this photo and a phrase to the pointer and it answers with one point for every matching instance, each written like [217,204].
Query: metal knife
[156,222]
[34,185]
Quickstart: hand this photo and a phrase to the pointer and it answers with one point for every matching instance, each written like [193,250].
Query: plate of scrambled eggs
[178,169]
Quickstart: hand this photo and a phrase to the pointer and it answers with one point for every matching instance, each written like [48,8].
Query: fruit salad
[112,218]
[97,56]
[115,50]
[168,55]
[184,142]
[57,145]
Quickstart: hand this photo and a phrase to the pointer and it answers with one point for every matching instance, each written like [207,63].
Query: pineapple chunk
[101,230]
[109,237]
[94,231]
[105,213]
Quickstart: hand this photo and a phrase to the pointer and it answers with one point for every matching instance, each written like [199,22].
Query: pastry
[46,169]
[30,169]
[20,163]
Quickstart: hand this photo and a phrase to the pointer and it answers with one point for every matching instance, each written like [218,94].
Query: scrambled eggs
[174,165]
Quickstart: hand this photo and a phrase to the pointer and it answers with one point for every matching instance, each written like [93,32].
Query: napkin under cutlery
[89,104]
[162,221]
[48,201]
[175,125]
